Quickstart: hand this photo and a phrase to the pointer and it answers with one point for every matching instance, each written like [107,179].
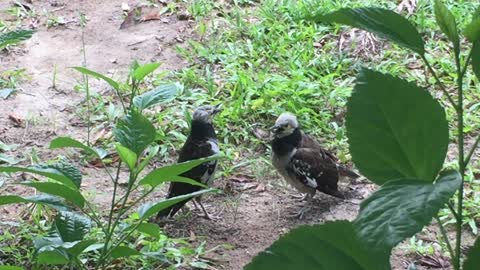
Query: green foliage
[409,127]
[398,137]
[333,245]
[390,215]
[382,22]
[69,240]
[14,37]
[135,132]
[473,259]
[162,94]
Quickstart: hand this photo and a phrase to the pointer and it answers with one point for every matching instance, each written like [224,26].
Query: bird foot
[298,197]
[302,212]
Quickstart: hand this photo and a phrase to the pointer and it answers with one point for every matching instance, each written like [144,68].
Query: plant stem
[452,209]
[442,87]
[447,241]
[474,147]
[461,164]
[85,78]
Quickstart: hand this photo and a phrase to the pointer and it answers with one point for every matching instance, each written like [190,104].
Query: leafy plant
[406,157]
[13,37]
[68,240]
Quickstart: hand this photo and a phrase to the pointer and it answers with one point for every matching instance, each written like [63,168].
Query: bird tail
[345,171]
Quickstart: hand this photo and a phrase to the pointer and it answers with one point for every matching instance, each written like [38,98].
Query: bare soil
[252,213]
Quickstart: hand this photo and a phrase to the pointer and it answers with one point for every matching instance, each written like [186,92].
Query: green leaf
[149,209]
[402,208]
[96,75]
[64,142]
[333,245]
[123,251]
[70,171]
[382,22]
[72,226]
[79,247]
[9,159]
[162,94]
[447,23]
[476,59]
[171,173]
[13,37]
[395,129]
[52,256]
[473,259]
[69,194]
[150,229]
[472,31]
[142,71]
[127,156]
[49,171]
[44,199]
[9,267]
[135,132]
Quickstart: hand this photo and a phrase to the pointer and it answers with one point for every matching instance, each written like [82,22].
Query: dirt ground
[252,214]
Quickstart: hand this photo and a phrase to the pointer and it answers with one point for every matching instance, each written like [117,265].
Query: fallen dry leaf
[140,14]
[260,188]
[17,121]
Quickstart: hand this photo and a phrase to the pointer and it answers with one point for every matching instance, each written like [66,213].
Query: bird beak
[274,129]
[218,108]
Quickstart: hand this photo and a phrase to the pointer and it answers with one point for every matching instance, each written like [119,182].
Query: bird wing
[315,169]
[343,170]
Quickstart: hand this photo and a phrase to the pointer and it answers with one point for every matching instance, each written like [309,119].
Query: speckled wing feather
[315,169]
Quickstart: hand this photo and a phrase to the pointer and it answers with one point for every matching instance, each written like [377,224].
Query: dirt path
[252,214]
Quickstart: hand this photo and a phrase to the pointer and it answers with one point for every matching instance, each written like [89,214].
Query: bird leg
[305,208]
[205,213]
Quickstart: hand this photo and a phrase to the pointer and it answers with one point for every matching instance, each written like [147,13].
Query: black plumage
[201,143]
[303,162]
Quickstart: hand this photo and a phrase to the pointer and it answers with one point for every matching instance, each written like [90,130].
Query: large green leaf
[79,246]
[69,194]
[151,229]
[162,94]
[149,209]
[172,172]
[50,171]
[473,259]
[44,199]
[64,142]
[52,256]
[395,129]
[127,156]
[476,58]
[142,71]
[135,132]
[382,22]
[472,31]
[402,208]
[447,23]
[123,251]
[70,171]
[9,267]
[333,245]
[97,75]
[72,226]
[13,37]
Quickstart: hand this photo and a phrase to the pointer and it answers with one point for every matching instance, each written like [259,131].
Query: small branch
[452,209]
[470,154]
[442,87]
[445,237]
[467,62]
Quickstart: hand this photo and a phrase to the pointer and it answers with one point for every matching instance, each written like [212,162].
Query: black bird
[302,161]
[201,142]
